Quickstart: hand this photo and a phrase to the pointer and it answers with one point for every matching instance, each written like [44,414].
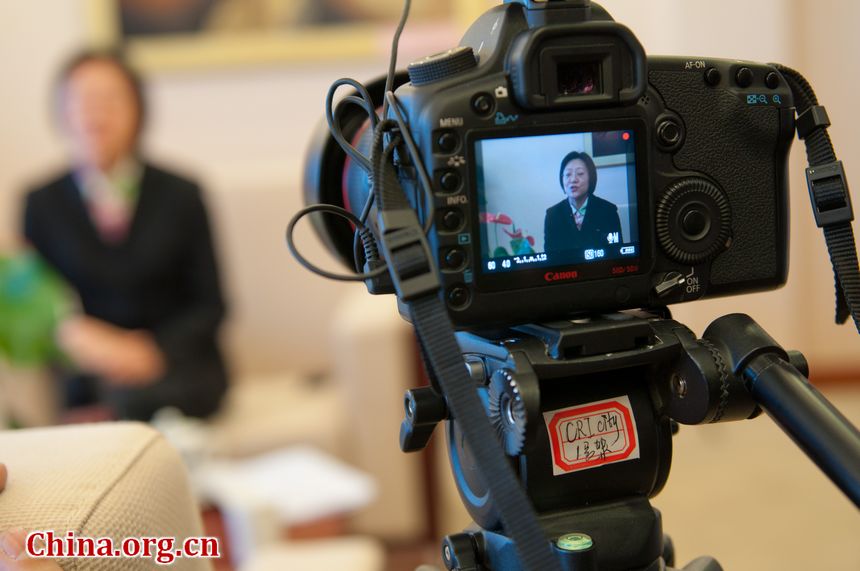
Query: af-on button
[713,76]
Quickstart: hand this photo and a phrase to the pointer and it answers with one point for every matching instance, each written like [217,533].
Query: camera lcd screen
[565,201]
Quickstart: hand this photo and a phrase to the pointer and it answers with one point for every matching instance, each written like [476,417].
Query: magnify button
[777,99]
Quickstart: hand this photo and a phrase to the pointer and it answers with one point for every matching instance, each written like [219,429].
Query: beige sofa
[124,480]
[113,480]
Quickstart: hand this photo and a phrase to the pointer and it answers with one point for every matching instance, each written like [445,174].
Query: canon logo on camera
[560,276]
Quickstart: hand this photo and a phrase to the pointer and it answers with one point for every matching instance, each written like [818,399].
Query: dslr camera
[572,173]
[561,176]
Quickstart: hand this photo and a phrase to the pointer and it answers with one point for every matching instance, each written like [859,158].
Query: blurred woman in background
[134,241]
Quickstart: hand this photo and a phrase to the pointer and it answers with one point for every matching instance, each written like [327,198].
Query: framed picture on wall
[183,34]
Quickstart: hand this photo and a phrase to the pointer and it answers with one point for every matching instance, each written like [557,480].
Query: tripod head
[606,392]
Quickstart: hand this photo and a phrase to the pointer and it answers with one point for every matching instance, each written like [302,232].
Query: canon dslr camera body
[571,173]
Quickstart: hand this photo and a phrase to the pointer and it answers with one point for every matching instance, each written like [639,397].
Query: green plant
[33,300]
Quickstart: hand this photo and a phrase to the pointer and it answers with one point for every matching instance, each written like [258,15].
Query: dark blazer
[561,234]
[162,278]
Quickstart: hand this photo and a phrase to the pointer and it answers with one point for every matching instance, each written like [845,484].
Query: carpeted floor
[745,494]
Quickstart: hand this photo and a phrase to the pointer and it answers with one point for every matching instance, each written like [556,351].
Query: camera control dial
[442,65]
[693,220]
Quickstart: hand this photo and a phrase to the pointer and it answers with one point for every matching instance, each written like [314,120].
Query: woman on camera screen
[581,220]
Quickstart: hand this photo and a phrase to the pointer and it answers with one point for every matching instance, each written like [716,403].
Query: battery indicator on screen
[627,250]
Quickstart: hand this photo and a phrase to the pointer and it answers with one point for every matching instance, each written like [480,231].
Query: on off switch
[669,283]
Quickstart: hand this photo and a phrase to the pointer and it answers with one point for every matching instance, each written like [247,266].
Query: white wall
[35,38]
[827,50]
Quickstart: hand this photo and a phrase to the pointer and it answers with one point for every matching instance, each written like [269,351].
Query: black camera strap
[828,192]
[413,270]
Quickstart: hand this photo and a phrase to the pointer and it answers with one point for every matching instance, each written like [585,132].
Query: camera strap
[413,270]
[828,192]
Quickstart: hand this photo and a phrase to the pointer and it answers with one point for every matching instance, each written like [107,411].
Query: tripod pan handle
[815,425]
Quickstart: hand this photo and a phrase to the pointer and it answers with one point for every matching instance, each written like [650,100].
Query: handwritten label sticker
[592,435]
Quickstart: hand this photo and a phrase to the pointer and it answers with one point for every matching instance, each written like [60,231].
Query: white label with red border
[592,435]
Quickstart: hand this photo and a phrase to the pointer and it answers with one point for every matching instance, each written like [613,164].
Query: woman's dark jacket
[163,278]
[560,231]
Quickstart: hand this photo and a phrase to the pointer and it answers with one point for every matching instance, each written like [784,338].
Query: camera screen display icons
[560,199]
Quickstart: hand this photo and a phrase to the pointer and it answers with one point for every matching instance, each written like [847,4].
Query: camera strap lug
[813,118]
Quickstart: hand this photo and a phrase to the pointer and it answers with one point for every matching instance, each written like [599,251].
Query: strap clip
[828,191]
[410,261]
[813,118]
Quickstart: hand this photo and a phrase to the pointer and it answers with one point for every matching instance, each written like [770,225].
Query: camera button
[744,77]
[772,80]
[455,258]
[458,297]
[450,181]
[670,133]
[695,224]
[452,220]
[713,76]
[483,104]
[447,142]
